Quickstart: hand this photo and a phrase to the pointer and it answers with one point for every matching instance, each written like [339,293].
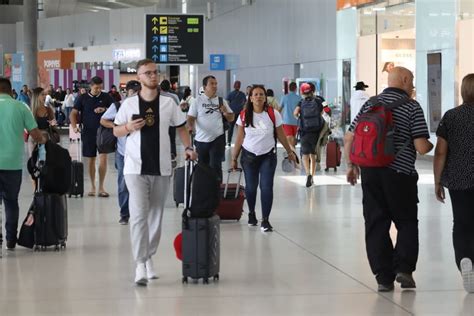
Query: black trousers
[389,196]
[463,219]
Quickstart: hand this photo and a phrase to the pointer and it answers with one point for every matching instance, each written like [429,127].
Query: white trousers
[147,197]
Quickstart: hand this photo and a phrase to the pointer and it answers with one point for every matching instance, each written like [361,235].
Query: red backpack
[373,144]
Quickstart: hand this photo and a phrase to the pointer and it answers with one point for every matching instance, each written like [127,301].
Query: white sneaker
[140,275]
[467,275]
[150,270]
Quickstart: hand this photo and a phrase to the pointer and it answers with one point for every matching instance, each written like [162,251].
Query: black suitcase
[77,175]
[51,224]
[200,240]
[201,249]
[178,186]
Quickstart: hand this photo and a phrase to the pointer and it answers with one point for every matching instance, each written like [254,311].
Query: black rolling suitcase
[51,224]
[77,175]
[200,239]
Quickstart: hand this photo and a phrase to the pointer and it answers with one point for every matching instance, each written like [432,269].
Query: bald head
[401,78]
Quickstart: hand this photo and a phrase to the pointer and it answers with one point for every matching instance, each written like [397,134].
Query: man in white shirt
[206,115]
[145,118]
[358,99]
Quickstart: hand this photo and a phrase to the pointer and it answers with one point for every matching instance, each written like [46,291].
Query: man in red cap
[309,112]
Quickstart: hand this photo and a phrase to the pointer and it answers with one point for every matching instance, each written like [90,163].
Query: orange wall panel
[344,4]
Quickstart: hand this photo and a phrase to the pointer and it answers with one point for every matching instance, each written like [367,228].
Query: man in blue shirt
[236,101]
[107,120]
[288,106]
[92,106]
[23,96]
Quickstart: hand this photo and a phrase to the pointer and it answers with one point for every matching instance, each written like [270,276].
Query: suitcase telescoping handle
[239,170]
[188,170]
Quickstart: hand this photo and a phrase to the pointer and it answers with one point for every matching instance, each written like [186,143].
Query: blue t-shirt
[24,98]
[237,101]
[288,106]
[86,104]
[109,115]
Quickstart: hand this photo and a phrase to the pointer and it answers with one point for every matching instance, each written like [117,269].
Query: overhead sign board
[175,38]
[217,62]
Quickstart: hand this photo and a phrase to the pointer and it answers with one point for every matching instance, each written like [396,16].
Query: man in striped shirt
[390,193]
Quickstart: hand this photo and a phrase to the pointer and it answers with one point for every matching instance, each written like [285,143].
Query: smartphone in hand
[136,117]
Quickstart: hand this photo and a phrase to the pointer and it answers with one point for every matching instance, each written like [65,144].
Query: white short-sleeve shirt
[208,118]
[170,114]
[260,139]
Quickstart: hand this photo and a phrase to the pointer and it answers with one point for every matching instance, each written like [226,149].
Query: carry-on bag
[232,198]
[76,187]
[200,240]
[333,155]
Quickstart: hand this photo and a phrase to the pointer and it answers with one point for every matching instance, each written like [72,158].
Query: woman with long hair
[258,128]
[44,115]
[454,169]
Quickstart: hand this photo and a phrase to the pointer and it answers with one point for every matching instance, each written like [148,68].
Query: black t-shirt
[457,128]
[86,104]
[150,136]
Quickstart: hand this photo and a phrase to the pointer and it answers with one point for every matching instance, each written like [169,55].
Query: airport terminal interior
[315,261]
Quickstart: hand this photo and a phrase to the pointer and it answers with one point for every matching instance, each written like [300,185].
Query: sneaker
[266,227]
[253,219]
[123,220]
[406,280]
[11,245]
[467,275]
[309,181]
[385,287]
[150,270]
[140,275]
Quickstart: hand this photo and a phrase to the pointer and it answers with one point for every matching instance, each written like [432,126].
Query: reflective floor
[313,264]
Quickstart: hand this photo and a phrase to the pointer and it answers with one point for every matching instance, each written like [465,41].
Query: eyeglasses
[150,73]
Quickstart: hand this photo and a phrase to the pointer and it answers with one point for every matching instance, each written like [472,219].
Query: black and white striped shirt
[409,124]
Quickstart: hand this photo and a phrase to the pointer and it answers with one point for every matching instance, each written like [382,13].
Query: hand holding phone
[136,117]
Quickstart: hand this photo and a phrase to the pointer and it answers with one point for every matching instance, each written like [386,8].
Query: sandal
[103,194]
[91,193]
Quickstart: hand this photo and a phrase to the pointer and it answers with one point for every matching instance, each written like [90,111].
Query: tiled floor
[313,264]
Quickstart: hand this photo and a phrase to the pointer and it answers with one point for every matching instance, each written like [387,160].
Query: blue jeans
[259,168]
[10,183]
[68,112]
[212,153]
[122,187]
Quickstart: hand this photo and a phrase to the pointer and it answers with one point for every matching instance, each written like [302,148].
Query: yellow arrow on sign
[155,29]
[154,20]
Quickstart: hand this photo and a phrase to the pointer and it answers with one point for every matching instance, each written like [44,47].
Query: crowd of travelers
[380,146]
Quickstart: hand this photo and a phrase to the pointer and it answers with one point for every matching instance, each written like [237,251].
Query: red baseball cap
[305,88]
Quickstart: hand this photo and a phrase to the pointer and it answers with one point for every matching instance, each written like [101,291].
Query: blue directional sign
[217,62]
[175,38]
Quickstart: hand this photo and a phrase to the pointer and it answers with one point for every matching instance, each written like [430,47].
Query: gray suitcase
[201,241]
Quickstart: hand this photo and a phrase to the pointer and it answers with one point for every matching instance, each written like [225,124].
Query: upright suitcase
[232,199]
[333,155]
[77,175]
[200,241]
[51,224]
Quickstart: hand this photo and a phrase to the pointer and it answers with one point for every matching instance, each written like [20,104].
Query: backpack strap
[271,114]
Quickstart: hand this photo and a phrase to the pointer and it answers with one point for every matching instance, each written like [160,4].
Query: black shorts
[89,143]
[308,143]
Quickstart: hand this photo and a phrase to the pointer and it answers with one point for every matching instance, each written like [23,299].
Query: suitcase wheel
[63,245]
[327,169]
[205,281]
[37,248]
[185,280]
[56,248]
[335,169]
[216,277]
[177,204]
[82,195]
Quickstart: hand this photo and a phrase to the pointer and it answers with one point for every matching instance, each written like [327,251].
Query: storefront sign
[126,54]
[51,63]
[175,39]
[344,4]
